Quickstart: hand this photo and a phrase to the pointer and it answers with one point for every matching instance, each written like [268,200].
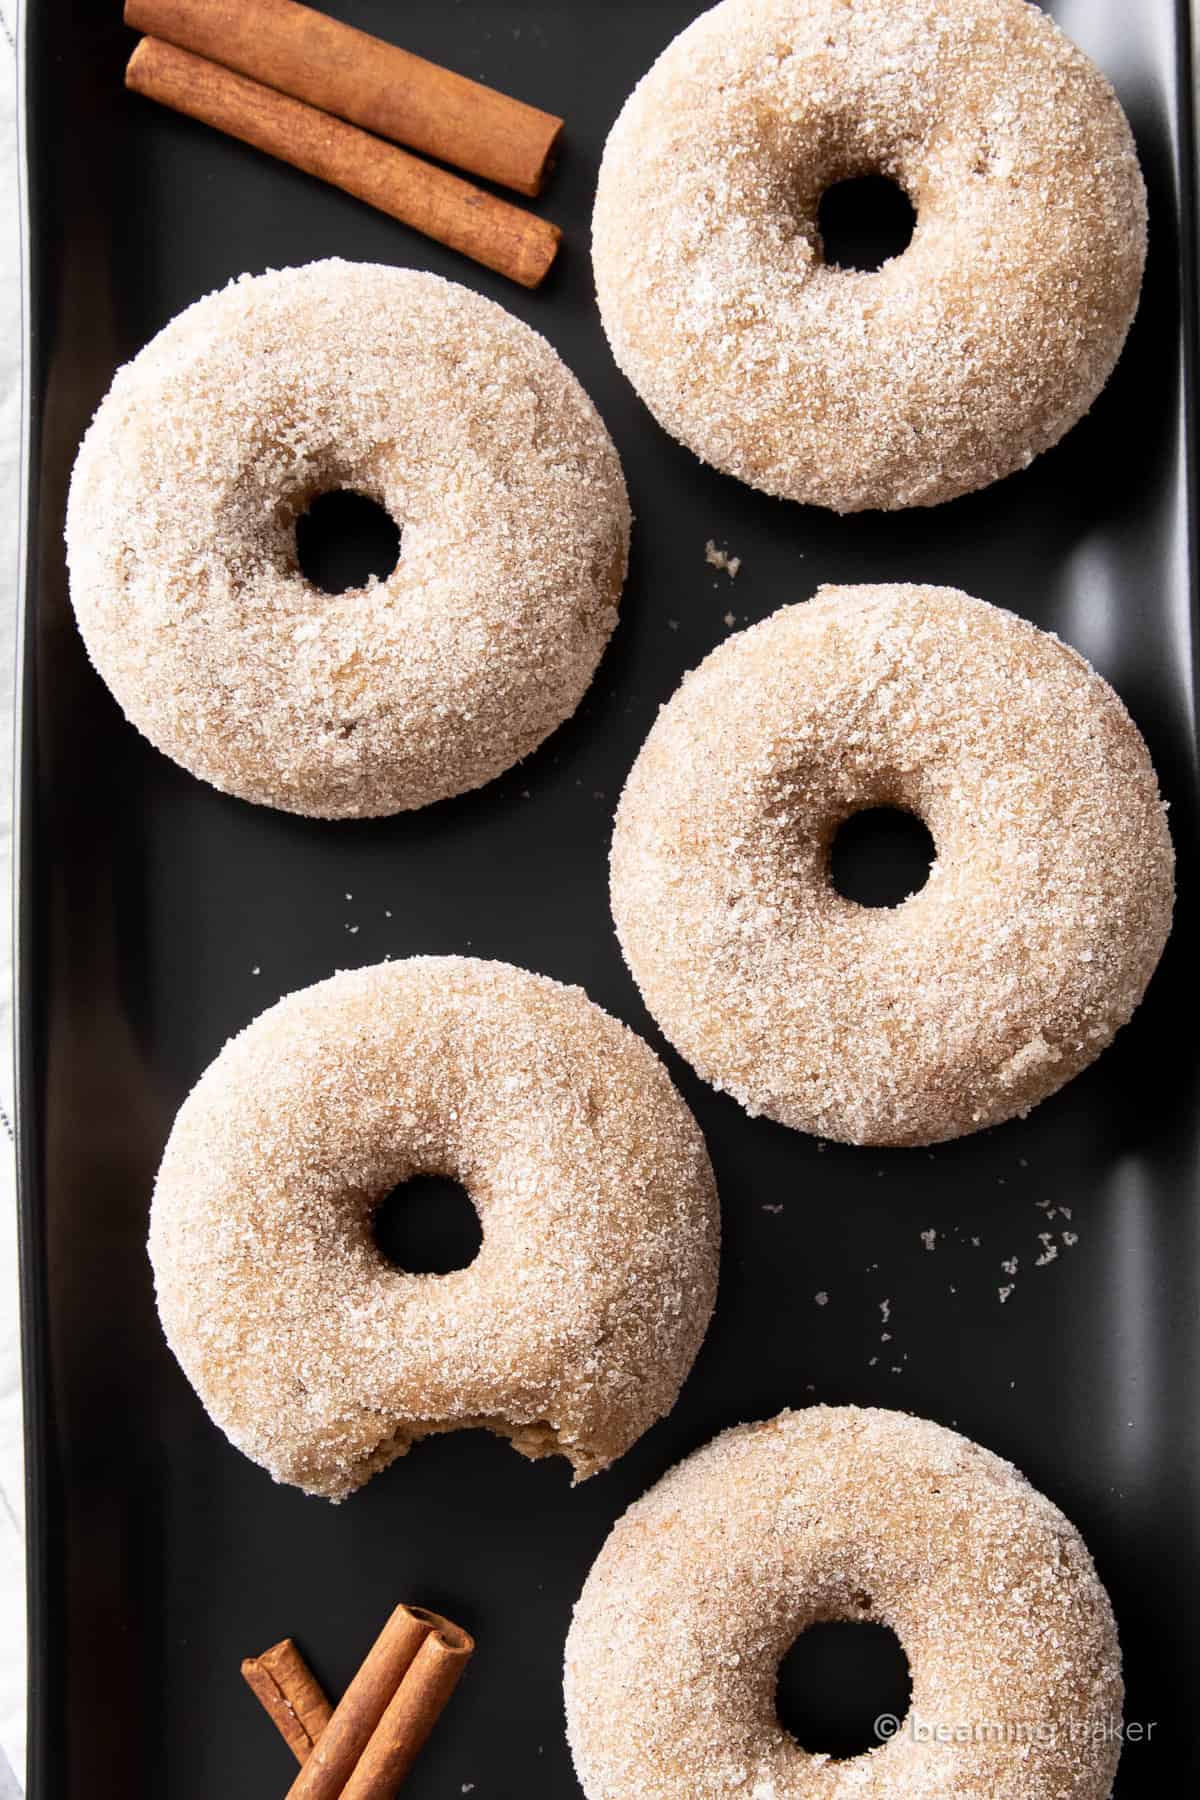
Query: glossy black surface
[158,917]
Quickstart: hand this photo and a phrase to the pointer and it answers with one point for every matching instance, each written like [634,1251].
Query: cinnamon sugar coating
[575,1326]
[1031,943]
[953,364]
[453,415]
[843,1513]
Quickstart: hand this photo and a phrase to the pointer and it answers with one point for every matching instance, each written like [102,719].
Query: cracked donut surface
[1033,939]
[843,1513]
[451,414]
[574,1327]
[949,366]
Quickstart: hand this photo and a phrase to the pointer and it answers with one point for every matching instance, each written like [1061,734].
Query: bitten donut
[952,364]
[1034,937]
[576,1324]
[455,417]
[842,1513]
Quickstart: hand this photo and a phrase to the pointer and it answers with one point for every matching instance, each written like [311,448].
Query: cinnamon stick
[290,1695]
[500,236]
[412,1713]
[363,1705]
[373,84]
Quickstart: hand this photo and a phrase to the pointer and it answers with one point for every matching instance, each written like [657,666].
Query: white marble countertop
[12,1560]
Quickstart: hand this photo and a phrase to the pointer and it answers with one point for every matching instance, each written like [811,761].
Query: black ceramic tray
[157,917]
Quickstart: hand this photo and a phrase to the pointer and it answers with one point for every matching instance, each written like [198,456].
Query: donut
[428,399]
[857,1514]
[955,362]
[1032,941]
[576,1324]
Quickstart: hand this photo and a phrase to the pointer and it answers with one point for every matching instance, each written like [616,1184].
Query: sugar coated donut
[1033,939]
[576,1324]
[454,416]
[955,362]
[842,1513]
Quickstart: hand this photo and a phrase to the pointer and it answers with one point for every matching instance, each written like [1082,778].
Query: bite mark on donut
[531,1438]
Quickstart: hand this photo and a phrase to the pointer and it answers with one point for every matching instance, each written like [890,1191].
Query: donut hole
[343,539]
[881,856]
[843,1687]
[864,222]
[428,1225]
